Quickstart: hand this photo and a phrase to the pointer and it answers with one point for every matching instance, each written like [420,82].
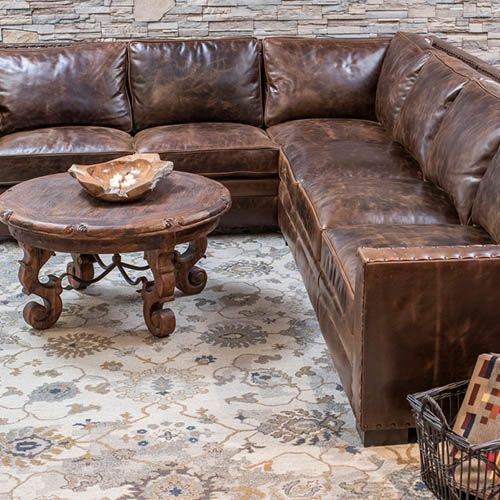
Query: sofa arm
[423,315]
[412,254]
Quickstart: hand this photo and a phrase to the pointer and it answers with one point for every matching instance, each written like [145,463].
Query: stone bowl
[124,179]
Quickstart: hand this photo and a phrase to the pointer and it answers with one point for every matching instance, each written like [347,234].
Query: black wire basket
[451,467]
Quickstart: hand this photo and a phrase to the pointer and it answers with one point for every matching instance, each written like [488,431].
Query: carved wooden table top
[54,210]
[53,213]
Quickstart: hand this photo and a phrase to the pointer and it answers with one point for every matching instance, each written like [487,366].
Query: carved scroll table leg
[82,267]
[37,315]
[161,322]
[191,279]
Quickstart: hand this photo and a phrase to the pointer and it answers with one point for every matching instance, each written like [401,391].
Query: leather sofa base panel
[322,297]
[254,205]
[249,212]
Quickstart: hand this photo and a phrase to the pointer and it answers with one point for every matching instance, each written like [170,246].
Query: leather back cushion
[321,78]
[177,81]
[437,85]
[82,84]
[466,142]
[405,57]
[486,210]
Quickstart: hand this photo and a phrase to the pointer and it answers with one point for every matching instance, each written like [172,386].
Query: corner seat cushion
[316,131]
[25,155]
[360,200]
[336,148]
[80,84]
[213,149]
[340,261]
[352,159]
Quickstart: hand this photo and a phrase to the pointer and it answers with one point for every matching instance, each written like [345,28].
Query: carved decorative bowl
[124,179]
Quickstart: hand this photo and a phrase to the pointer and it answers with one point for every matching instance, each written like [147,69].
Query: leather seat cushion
[317,131]
[314,78]
[214,149]
[80,84]
[25,155]
[332,149]
[346,202]
[339,251]
[349,159]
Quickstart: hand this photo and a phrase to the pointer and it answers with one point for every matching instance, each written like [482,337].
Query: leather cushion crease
[377,158]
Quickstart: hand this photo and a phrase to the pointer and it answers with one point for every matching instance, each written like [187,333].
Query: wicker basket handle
[428,401]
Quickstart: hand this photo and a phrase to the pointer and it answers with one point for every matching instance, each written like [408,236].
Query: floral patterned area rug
[241,402]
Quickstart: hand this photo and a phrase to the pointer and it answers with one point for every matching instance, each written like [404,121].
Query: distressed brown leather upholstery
[254,203]
[349,159]
[214,149]
[388,191]
[82,84]
[437,85]
[197,103]
[341,263]
[316,78]
[241,156]
[405,58]
[427,327]
[370,201]
[319,132]
[335,148]
[340,247]
[28,154]
[184,81]
[467,140]
[401,288]
[486,209]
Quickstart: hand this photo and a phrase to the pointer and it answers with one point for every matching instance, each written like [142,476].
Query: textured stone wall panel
[473,25]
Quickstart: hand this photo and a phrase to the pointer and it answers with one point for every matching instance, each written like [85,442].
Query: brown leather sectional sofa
[378,158]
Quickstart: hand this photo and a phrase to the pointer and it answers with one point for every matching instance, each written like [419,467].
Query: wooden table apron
[170,268]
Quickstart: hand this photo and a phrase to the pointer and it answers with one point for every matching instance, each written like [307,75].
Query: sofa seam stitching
[216,150]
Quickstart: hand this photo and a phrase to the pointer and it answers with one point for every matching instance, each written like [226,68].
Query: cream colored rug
[241,402]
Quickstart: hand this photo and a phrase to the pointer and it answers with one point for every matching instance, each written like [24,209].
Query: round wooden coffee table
[53,214]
